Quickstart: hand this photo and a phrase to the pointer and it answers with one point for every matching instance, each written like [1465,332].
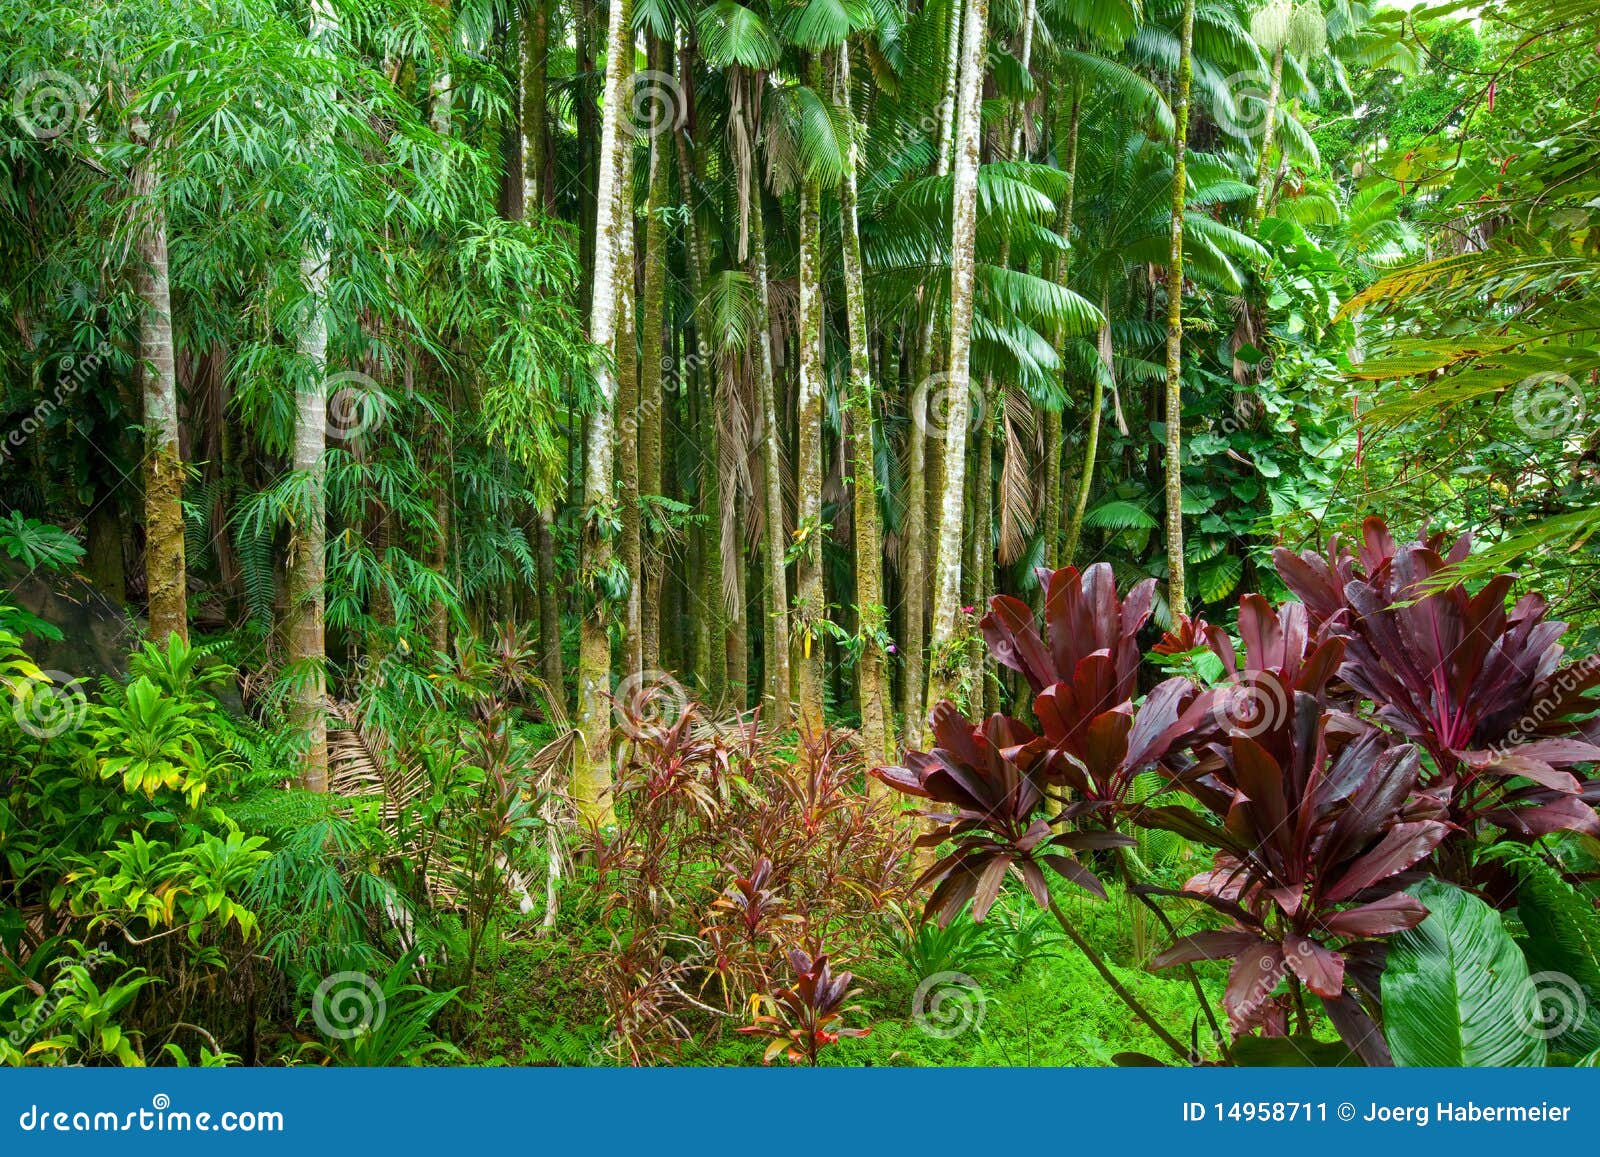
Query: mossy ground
[542,1005]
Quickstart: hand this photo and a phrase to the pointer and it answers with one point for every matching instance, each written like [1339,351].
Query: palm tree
[1174,392]
[872,686]
[305,568]
[1282,28]
[591,778]
[1124,183]
[944,644]
[738,39]
[166,578]
[810,601]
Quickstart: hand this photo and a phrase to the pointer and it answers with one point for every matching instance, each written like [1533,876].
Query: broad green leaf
[1455,989]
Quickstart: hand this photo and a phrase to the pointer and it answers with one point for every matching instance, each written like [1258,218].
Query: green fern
[1119,515]
[1562,944]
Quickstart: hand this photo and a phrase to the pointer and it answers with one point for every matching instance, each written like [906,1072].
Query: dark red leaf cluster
[1483,689]
[808,1014]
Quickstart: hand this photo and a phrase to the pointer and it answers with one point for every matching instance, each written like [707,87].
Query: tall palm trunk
[777,634]
[945,145]
[945,658]
[980,572]
[552,669]
[1269,127]
[1174,400]
[166,576]
[1091,443]
[915,548]
[651,326]
[534,47]
[1055,481]
[626,462]
[810,604]
[591,777]
[872,688]
[305,566]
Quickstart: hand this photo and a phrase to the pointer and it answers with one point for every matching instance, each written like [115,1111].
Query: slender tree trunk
[1091,442]
[923,462]
[305,566]
[656,351]
[810,601]
[535,52]
[166,576]
[1019,110]
[946,661]
[1174,399]
[945,145]
[872,683]
[551,666]
[982,526]
[591,779]
[1268,129]
[589,130]
[534,49]
[1055,483]
[713,592]
[777,631]
[914,573]
[626,462]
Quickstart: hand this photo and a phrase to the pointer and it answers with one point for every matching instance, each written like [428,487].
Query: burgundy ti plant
[807,1015]
[1484,690]
[1320,821]
[987,799]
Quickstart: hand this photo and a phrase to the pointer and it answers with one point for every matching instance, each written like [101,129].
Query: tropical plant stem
[1127,998]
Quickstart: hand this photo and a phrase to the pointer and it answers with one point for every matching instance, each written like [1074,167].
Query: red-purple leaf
[1392,914]
[1320,969]
[1403,846]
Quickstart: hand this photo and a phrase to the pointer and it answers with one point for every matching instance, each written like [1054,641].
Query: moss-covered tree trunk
[305,569]
[656,348]
[534,49]
[591,777]
[810,602]
[872,683]
[776,650]
[945,659]
[921,456]
[1269,126]
[626,462]
[166,576]
[1174,392]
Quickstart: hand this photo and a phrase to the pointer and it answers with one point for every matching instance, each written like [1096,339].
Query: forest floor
[1053,1009]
